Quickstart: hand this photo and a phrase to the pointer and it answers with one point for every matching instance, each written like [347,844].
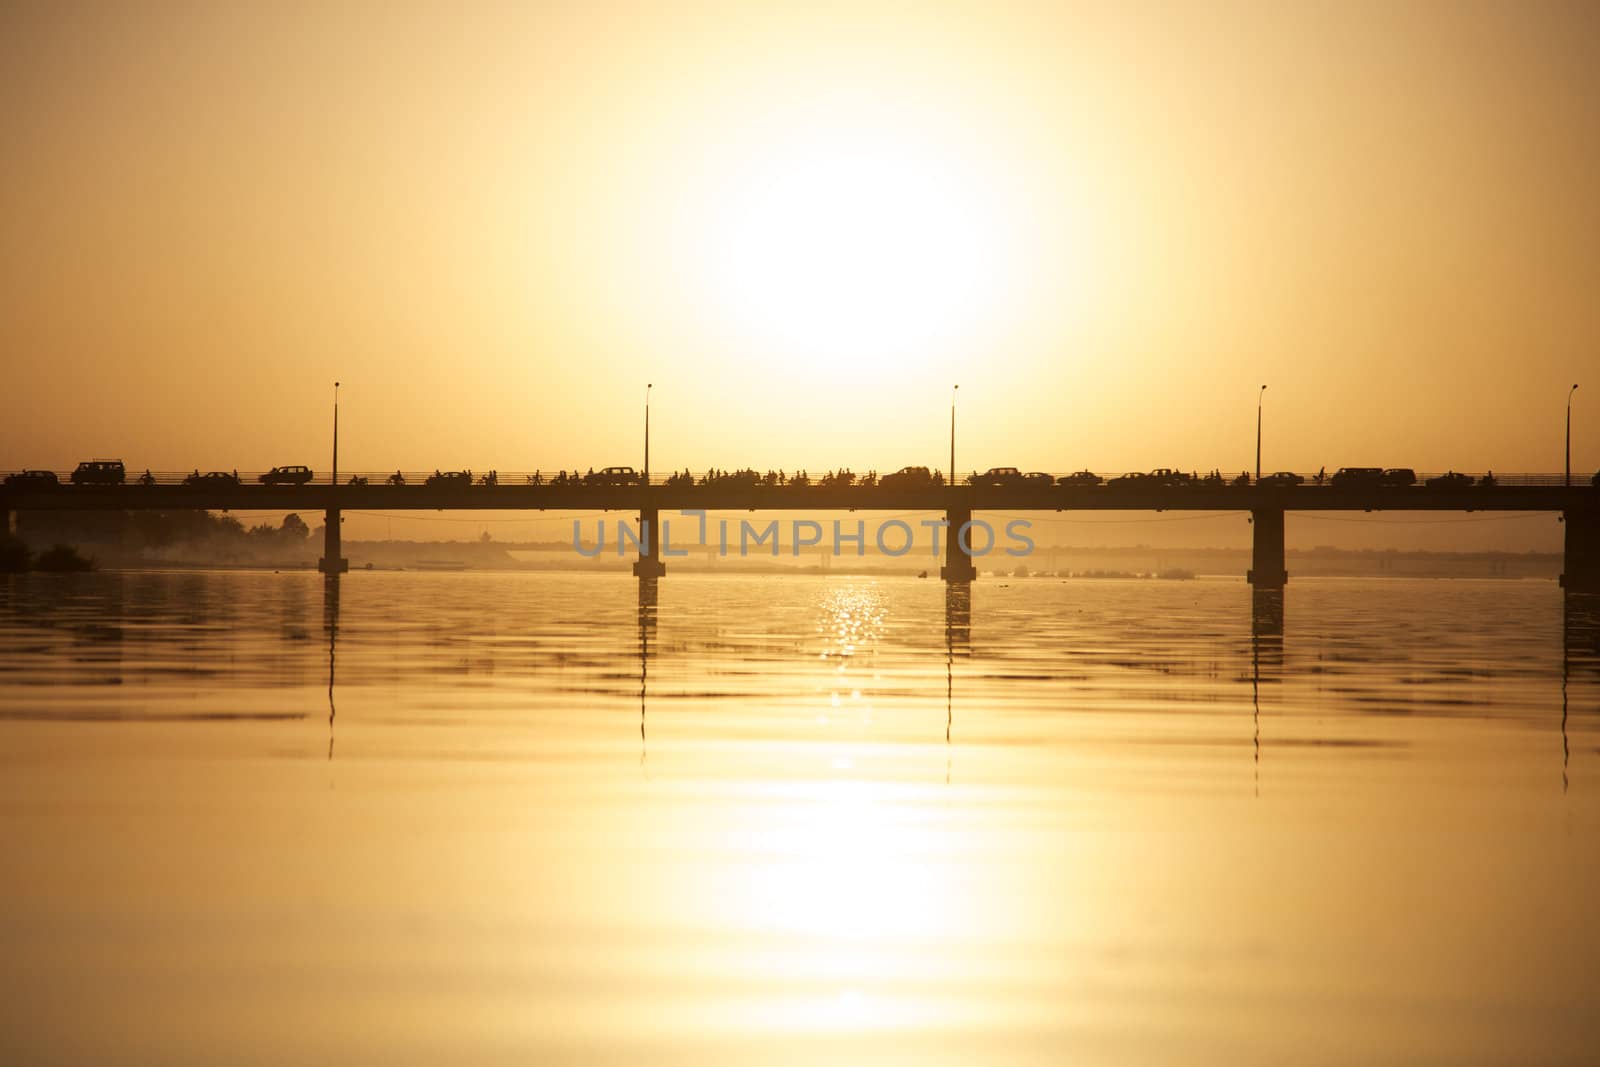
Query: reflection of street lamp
[953,389]
[648,386]
[334,478]
[1259,398]
[1574,389]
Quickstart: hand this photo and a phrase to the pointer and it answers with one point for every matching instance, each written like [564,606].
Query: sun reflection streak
[862,876]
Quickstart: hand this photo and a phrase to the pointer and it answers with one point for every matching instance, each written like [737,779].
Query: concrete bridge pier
[958,565]
[649,566]
[1266,557]
[1580,571]
[332,562]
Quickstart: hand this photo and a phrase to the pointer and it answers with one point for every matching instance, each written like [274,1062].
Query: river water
[540,818]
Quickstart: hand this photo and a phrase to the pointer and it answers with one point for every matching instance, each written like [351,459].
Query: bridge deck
[801,498]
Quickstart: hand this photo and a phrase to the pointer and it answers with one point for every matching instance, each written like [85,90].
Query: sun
[858,248]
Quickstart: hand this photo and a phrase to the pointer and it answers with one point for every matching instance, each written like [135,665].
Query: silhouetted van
[1357,476]
[33,479]
[100,472]
[614,476]
[1398,476]
[287,476]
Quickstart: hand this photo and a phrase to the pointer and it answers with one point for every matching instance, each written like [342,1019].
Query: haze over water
[526,818]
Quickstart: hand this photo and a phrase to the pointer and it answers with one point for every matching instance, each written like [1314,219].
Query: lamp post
[1568,481]
[953,390]
[334,478]
[648,386]
[1260,396]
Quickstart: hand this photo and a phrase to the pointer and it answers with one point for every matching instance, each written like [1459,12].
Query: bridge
[1267,504]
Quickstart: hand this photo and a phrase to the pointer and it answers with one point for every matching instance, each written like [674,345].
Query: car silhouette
[614,476]
[1132,478]
[997,476]
[287,476]
[1357,476]
[443,479]
[100,472]
[211,479]
[37,479]
[1281,478]
[1449,480]
[1398,476]
[1080,478]
[1038,478]
[908,478]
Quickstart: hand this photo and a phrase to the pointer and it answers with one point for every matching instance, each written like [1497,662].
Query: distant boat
[441,565]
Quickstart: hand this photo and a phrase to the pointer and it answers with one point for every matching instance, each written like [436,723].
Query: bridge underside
[1267,505]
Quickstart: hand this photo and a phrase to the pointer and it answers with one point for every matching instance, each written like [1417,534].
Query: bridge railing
[557,478]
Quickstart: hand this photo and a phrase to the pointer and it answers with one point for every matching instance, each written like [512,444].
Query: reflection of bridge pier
[1580,631]
[1266,612]
[1580,653]
[648,594]
[330,623]
[332,562]
[957,634]
[958,618]
[1266,648]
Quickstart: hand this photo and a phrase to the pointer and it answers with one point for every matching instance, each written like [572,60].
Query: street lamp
[1574,389]
[333,479]
[953,389]
[1259,398]
[648,386]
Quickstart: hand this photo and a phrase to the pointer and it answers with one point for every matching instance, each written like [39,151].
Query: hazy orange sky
[494,224]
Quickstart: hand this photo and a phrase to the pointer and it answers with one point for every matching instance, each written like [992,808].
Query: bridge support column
[1266,558]
[332,562]
[649,564]
[958,565]
[1580,571]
